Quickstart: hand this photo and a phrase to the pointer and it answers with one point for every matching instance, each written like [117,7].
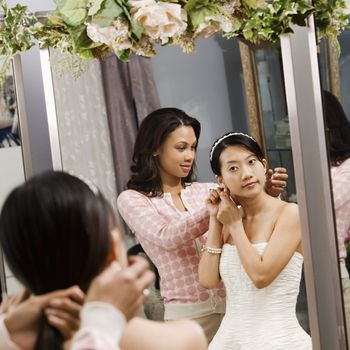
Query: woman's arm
[284,241]
[208,270]
[174,335]
[144,220]
[113,298]
[340,186]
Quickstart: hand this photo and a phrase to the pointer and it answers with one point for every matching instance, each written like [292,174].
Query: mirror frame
[16,66]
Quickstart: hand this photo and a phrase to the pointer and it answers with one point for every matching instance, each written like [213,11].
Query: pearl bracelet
[211,250]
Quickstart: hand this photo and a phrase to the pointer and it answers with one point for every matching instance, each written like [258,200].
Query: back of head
[153,131]
[337,128]
[55,233]
[232,139]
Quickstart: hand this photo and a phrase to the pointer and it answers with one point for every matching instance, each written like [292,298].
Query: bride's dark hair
[55,233]
[232,139]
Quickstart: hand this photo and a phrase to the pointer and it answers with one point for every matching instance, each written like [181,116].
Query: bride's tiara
[218,141]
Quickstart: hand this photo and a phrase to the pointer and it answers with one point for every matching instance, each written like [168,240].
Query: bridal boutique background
[219,114]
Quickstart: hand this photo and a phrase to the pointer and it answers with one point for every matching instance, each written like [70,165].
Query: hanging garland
[94,28]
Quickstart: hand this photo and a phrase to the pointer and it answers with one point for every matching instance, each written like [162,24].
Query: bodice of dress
[260,318]
[273,302]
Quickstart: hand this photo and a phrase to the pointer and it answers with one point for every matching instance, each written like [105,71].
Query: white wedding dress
[259,319]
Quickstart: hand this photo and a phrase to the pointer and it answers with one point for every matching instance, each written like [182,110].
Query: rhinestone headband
[218,141]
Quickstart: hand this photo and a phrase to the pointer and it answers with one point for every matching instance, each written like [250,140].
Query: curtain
[83,128]
[130,94]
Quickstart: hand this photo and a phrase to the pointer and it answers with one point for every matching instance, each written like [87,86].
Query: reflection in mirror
[11,158]
[274,113]
[9,130]
[335,82]
[337,124]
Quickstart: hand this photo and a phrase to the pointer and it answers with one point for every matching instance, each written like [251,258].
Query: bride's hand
[212,202]
[229,213]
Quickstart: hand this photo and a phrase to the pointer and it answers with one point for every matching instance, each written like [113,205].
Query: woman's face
[242,172]
[177,153]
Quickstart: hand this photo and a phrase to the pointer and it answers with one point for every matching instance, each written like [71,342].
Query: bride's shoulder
[289,212]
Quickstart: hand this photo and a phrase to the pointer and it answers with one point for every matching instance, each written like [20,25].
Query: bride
[254,245]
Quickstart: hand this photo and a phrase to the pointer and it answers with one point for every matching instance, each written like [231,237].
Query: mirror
[218,85]
[11,155]
[9,128]
[335,80]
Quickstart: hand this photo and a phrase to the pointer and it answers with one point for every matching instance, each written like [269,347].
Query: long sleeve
[5,340]
[165,230]
[101,328]
[341,198]
[340,185]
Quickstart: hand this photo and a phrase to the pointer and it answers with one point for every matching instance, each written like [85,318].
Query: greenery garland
[94,28]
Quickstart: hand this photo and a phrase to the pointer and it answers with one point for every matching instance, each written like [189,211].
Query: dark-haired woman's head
[338,129]
[55,232]
[238,163]
[165,146]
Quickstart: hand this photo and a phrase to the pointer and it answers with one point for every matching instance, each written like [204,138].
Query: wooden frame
[252,93]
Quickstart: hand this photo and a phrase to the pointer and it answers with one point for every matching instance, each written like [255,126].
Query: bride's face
[242,172]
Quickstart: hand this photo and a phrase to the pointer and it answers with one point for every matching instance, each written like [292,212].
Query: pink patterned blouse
[341,195]
[173,240]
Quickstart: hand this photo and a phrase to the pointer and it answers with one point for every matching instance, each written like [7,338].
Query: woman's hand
[229,213]
[61,307]
[123,288]
[276,181]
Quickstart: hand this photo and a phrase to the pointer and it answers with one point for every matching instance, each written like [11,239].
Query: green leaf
[136,30]
[95,7]
[73,12]
[123,55]
[195,4]
[255,4]
[198,10]
[108,13]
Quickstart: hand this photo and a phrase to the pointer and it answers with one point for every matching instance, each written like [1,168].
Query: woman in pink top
[166,210]
[338,135]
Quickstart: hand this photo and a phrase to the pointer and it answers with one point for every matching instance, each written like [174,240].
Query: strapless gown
[260,319]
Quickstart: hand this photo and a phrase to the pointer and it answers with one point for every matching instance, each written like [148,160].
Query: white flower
[115,35]
[105,35]
[347,9]
[231,6]
[160,20]
[122,41]
[212,25]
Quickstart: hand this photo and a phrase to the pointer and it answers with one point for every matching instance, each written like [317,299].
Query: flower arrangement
[94,28]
